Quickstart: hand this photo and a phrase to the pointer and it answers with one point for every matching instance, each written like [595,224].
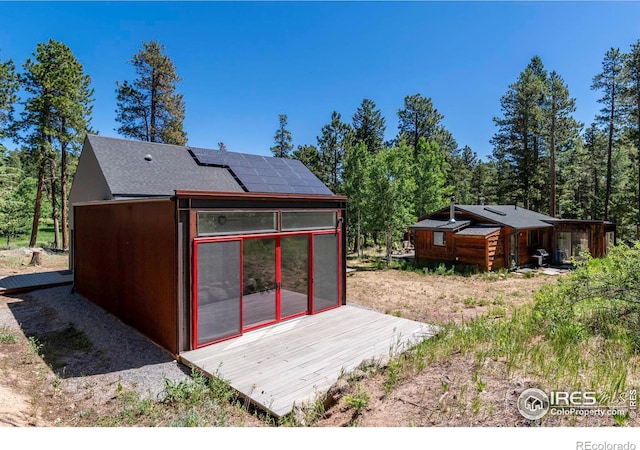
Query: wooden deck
[32,281]
[293,362]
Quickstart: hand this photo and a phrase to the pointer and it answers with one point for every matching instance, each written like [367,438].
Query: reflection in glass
[259,281]
[294,262]
[218,290]
[325,271]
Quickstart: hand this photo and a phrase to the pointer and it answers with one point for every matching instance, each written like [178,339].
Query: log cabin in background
[492,237]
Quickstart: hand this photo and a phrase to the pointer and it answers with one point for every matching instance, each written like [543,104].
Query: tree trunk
[607,194]
[552,166]
[358,243]
[638,148]
[54,204]
[388,239]
[63,195]
[36,258]
[37,206]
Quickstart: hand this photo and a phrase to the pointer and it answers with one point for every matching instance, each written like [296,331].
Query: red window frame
[310,310]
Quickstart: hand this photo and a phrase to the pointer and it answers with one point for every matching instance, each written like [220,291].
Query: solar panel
[263,173]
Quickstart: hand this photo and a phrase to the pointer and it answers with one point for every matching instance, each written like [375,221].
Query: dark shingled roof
[137,168]
[433,224]
[171,168]
[509,215]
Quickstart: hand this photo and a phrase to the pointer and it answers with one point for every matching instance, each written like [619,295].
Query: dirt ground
[32,394]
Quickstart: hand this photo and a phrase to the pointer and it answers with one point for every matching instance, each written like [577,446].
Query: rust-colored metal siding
[126,262]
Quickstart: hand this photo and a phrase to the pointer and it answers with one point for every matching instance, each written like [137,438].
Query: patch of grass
[470,302]
[196,401]
[7,336]
[45,238]
[358,400]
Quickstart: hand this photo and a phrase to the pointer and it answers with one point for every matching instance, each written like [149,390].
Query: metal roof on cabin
[174,167]
[478,230]
[509,215]
[432,224]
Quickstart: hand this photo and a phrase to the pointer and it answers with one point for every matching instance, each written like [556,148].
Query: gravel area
[107,353]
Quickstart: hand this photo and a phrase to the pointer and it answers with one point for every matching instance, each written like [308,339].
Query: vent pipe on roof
[452,210]
[148,158]
[481,201]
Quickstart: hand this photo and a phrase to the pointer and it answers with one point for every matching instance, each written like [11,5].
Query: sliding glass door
[246,282]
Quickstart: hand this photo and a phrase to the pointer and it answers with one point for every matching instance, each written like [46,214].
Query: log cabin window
[439,239]
[534,238]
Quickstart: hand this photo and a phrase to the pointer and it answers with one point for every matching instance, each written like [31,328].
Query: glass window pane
[308,220]
[223,222]
[563,247]
[218,287]
[325,271]
[438,238]
[259,285]
[294,272]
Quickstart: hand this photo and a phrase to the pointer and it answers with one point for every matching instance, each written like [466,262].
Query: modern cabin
[192,246]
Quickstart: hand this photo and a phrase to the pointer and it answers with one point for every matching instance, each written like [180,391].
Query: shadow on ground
[77,338]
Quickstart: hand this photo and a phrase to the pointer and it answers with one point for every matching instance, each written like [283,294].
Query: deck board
[31,281]
[282,365]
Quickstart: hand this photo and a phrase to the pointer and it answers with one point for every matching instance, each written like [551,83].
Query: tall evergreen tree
[560,128]
[460,175]
[419,119]
[150,109]
[282,139]
[632,93]
[517,143]
[333,144]
[369,126]
[55,119]
[9,84]
[611,82]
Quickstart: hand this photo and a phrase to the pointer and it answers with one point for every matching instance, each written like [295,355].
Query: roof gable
[138,168]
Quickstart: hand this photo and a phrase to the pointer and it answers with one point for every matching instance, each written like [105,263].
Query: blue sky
[243,63]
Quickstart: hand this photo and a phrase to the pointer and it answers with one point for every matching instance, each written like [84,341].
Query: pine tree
[419,119]
[333,144]
[55,118]
[369,126]
[9,84]
[611,82]
[460,175]
[560,128]
[282,139]
[517,143]
[311,158]
[149,108]
[632,94]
